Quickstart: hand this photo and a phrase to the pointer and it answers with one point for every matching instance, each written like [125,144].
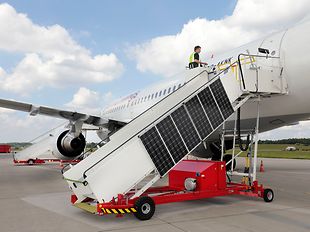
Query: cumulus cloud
[51,56]
[251,19]
[17,129]
[21,127]
[302,130]
[89,101]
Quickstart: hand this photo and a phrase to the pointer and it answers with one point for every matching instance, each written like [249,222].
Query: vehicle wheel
[30,162]
[145,207]
[227,158]
[268,195]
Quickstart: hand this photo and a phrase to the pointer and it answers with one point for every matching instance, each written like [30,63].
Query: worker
[194,60]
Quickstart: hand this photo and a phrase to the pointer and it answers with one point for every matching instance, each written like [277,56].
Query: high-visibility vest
[191,57]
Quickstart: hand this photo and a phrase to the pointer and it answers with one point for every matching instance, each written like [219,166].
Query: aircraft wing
[56,113]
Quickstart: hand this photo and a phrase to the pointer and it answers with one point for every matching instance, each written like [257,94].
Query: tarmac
[36,198]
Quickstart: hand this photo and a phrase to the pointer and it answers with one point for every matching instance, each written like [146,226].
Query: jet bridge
[153,143]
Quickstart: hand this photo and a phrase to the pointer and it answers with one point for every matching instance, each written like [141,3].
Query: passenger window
[169,90]
[179,85]
[152,96]
[156,94]
[159,94]
[164,92]
[174,88]
[148,98]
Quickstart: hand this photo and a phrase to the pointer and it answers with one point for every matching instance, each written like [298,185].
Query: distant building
[290,149]
[5,148]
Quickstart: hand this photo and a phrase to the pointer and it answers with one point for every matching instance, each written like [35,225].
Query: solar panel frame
[210,107]
[172,138]
[186,127]
[180,132]
[221,98]
[198,117]
[157,151]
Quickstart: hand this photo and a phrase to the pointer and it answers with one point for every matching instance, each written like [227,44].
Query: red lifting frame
[166,195]
[169,194]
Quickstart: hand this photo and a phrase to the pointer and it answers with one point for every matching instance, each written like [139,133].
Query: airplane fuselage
[293,49]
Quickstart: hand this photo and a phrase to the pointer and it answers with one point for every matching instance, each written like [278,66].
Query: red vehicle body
[44,161]
[210,177]
[5,148]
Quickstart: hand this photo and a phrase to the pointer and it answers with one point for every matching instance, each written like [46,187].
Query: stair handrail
[197,90]
[250,55]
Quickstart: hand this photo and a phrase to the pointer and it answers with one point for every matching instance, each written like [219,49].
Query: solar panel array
[186,127]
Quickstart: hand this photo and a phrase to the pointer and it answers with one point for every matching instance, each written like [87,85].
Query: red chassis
[210,179]
[43,161]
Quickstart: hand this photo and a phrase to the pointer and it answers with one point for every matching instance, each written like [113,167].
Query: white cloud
[302,130]
[51,56]
[17,128]
[88,101]
[251,19]
[22,127]
[6,111]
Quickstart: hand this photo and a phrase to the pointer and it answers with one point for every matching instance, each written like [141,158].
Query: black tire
[268,195]
[145,207]
[30,162]
[227,158]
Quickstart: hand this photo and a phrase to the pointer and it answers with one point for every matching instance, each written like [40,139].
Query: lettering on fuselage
[223,62]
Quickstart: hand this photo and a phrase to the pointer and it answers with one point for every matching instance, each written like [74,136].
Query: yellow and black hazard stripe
[118,211]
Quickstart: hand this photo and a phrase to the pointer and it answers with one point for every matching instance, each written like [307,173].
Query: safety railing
[251,60]
[216,76]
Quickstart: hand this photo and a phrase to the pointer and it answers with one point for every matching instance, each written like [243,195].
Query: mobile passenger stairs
[40,150]
[118,178]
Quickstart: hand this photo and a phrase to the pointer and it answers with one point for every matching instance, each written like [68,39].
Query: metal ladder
[252,142]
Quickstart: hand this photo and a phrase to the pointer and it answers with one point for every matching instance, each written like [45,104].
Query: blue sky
[84,54]
[112,26]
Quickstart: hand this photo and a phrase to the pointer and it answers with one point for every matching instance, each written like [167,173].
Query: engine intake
[69,146]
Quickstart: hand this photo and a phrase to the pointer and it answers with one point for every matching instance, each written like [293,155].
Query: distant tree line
[304,141]
[18,145]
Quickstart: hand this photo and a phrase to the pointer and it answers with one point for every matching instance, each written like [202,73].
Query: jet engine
[67,146]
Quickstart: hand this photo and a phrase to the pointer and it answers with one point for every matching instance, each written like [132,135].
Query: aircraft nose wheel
[268,195]
[145,207]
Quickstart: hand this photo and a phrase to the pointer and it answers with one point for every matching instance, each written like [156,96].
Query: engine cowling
[68,147]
